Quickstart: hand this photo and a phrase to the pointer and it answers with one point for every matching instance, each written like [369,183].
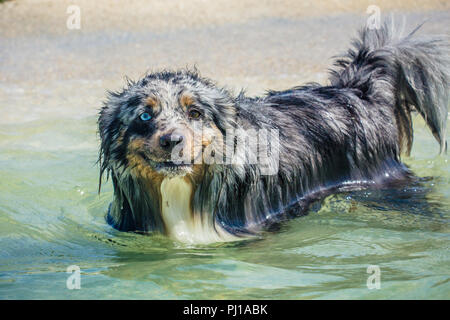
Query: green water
[51,217]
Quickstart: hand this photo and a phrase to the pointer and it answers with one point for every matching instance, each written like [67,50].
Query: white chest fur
[183,224]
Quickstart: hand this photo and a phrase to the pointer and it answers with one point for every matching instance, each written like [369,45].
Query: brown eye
[194,114]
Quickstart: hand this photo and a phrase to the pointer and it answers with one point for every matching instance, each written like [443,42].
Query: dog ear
[225,117]
[107,117]
[109,124]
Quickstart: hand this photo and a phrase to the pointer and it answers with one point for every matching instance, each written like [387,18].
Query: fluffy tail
[409,72]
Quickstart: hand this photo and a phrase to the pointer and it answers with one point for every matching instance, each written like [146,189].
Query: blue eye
[145,116]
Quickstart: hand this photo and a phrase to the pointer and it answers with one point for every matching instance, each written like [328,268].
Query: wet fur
[348,135]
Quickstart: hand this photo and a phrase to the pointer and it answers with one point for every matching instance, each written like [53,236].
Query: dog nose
[168,141]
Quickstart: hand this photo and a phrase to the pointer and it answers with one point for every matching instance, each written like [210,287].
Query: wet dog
[344,136]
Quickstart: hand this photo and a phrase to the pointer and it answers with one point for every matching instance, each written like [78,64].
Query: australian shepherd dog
[190,160]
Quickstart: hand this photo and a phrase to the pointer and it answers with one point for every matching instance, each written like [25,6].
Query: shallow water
[51,216]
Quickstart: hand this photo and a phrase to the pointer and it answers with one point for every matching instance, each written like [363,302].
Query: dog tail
[406,72]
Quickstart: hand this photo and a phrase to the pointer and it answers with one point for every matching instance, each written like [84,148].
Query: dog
[344,136]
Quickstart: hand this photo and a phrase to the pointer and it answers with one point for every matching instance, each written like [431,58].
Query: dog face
[159,125]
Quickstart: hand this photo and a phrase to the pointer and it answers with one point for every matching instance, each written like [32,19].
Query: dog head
[149,128]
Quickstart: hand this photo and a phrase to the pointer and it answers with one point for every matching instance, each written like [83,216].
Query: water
[51,215]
